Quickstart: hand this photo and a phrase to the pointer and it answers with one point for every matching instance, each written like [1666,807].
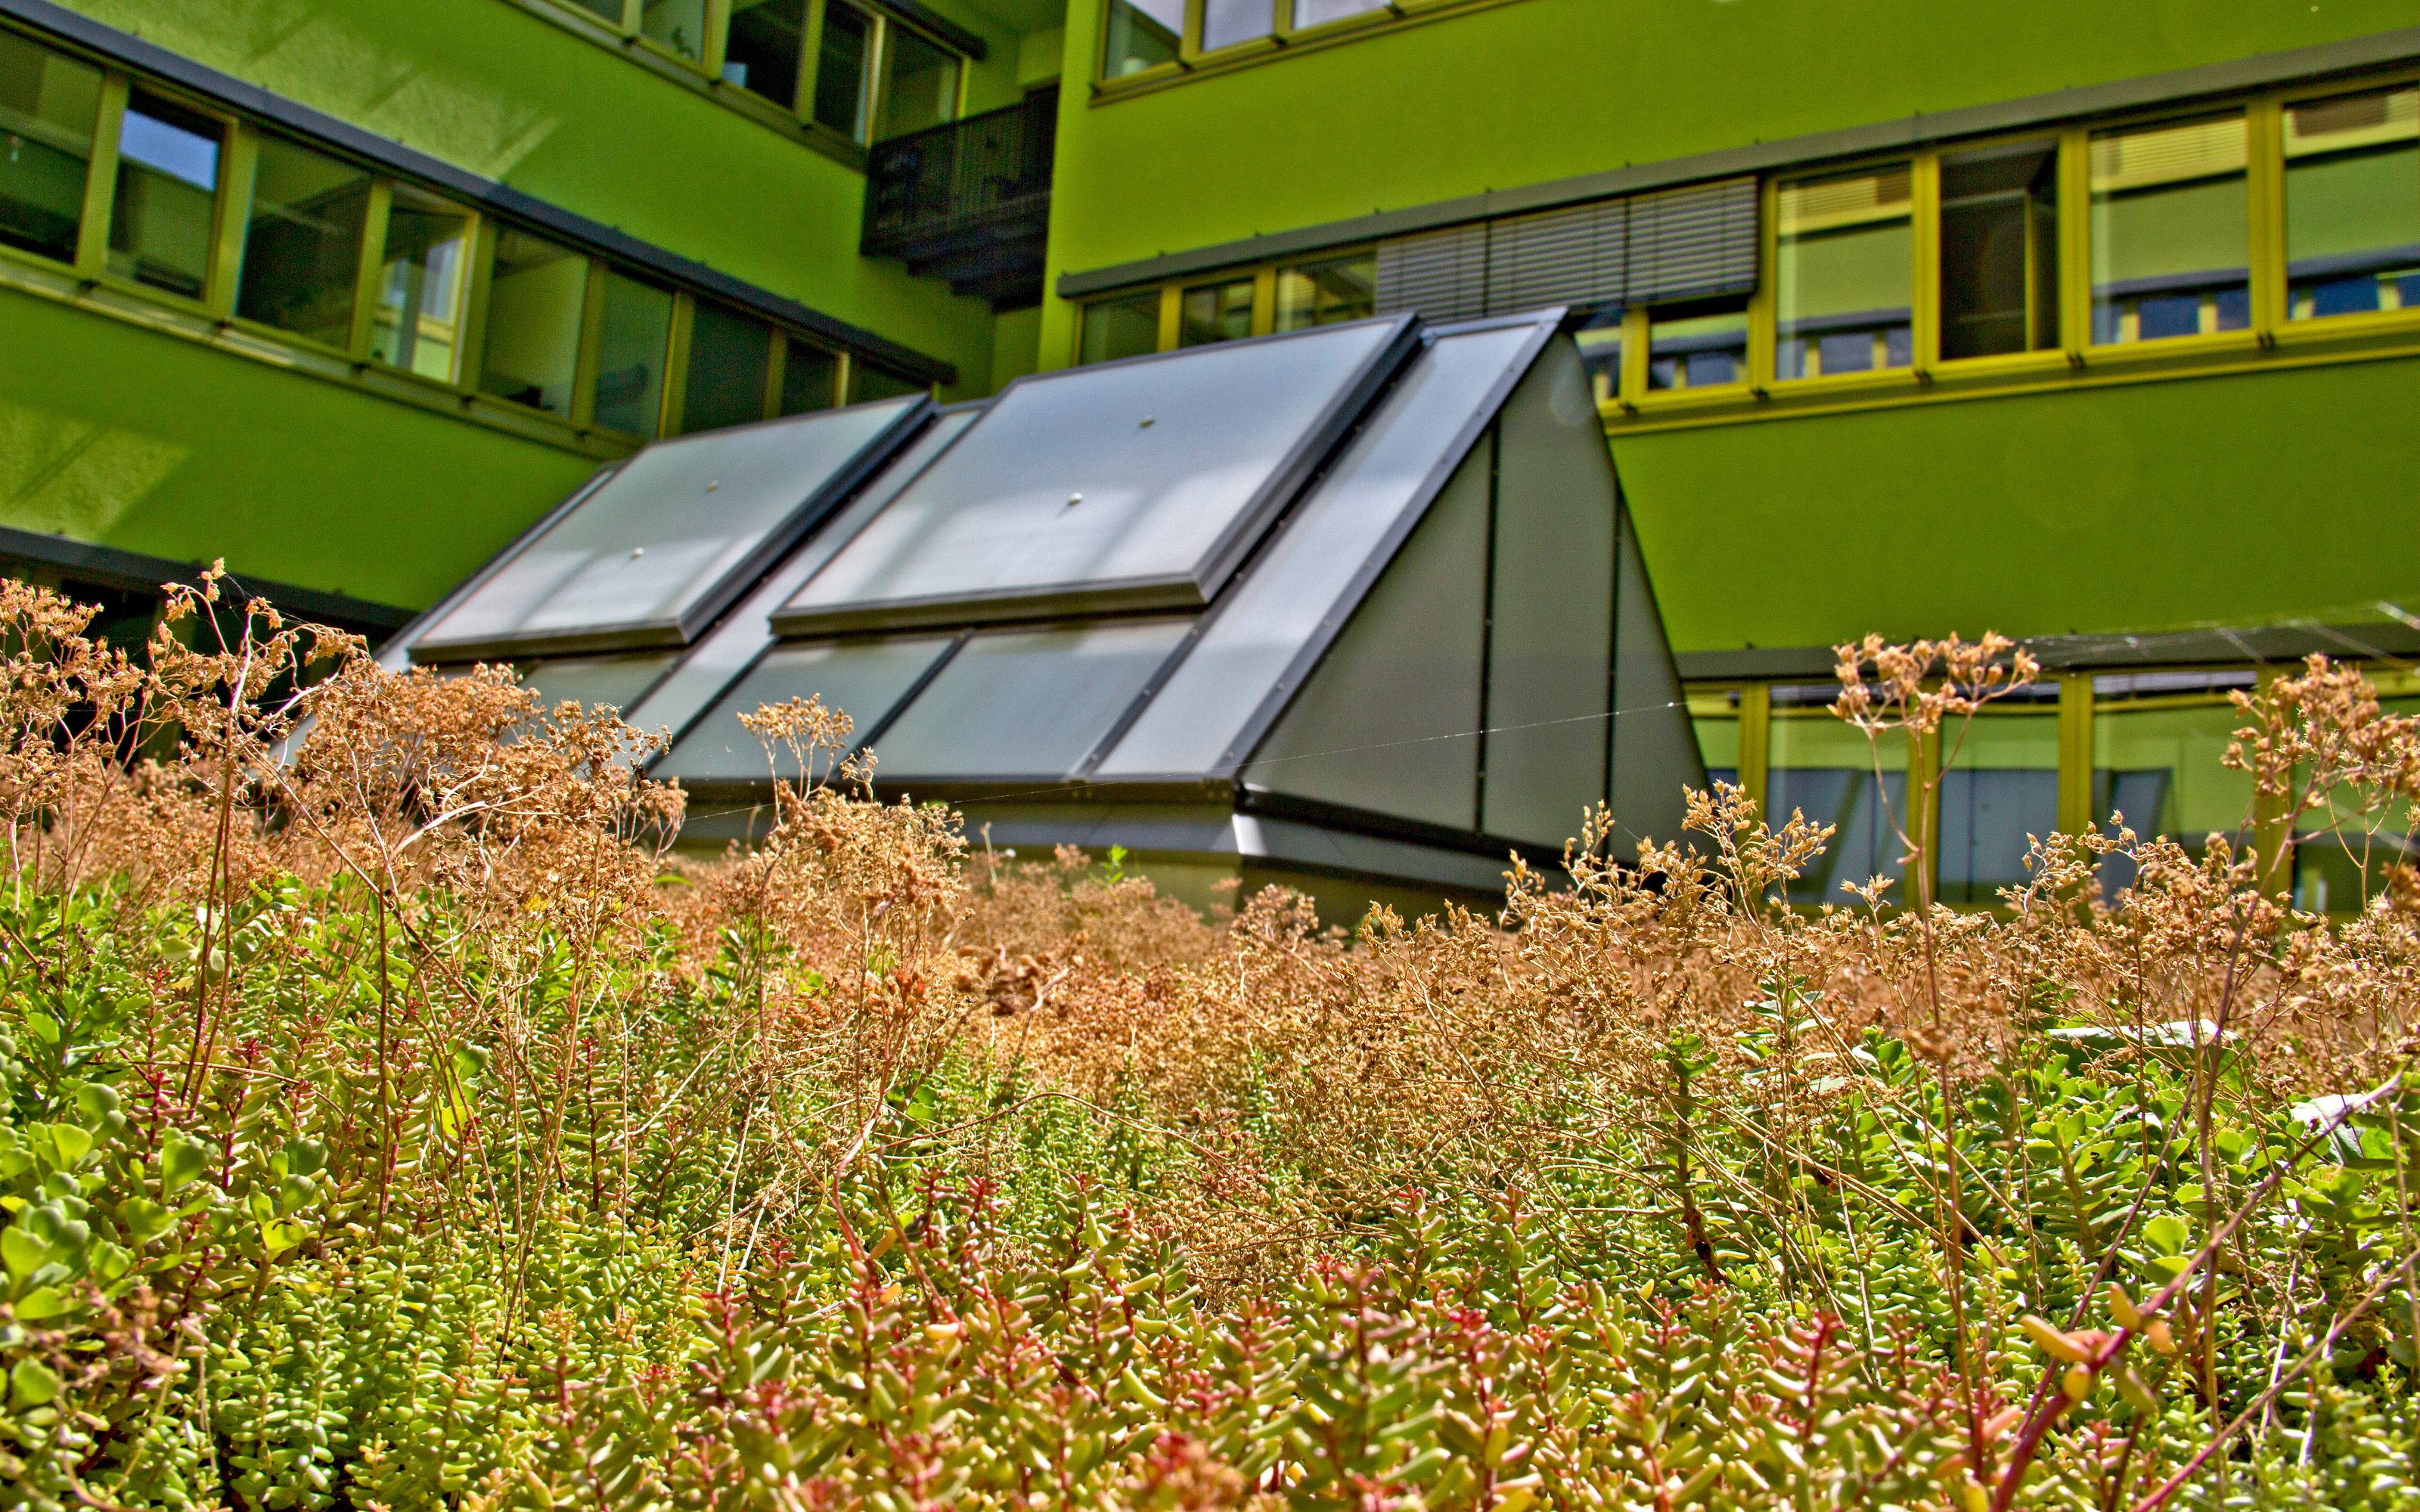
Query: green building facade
[2094,325]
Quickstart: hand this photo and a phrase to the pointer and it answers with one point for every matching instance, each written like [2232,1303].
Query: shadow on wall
[66,474]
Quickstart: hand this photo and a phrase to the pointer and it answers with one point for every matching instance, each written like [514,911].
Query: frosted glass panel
[861,679]
[1135,485]
[1241,658]
[1025,703]
[615,682]
[662,545]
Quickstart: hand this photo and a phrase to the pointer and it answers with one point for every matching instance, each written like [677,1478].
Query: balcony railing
[968,201]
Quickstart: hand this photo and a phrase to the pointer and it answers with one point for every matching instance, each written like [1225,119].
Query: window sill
[1269,50]
[2361,338]
[658,60]
[181,318]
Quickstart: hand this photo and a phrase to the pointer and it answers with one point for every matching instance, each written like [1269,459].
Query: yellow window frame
[1264,277]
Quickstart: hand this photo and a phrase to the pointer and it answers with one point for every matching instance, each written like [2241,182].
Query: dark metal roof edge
[251,99]
[2381,639]
[2377,50]
[140,570]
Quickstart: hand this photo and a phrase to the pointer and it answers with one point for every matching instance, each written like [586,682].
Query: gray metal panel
[650,557]
[1689,243]
[1137,484]
[1550,644]
[862,679]
[1389,721]
[611,682]
[1574,255]
[1654,748]
[1271,625]
[732,646]
[1024,703]
[1442,275]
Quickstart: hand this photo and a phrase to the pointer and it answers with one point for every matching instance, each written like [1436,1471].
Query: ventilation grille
[1648,249]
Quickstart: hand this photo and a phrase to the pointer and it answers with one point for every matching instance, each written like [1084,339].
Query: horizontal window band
[505,202]
[2264,71]
[140,572]
[2272,644]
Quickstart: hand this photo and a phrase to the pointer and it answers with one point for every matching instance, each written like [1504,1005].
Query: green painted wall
[2217,501]
[153,443]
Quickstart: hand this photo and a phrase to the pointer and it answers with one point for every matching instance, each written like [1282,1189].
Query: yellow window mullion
[1171,315]
[844,377]
[1756,742]
[877,83]
[2264,125]
[1924,190]
[365,282]
[2076,242]
[775,364]
[238,159]
[478,278]
[811,48]
[668,421]
[1265,301]
[716,43]
[2075,816]
[1635,335]
[634,16]
[592,335]
[1760,303]
[101,180]
[1281,18]
[1189,46]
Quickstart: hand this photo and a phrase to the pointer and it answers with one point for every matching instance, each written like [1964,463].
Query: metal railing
[959,189]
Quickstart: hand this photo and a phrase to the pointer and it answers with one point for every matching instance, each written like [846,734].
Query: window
[629,394]
[2352,204]
[1831,773]
[1844,274]
[1128,325]
[810,378]
[730,360]
[1324,293]
[1316,12]
[1215,312]
[303,243]
[418,322]
[1999,789]
[1600,344]
[1999,250]
[1225,23]
[678,27]
[922,89]
[843,69]
[168,192]
[1697,346]
[867,381]
[766,47]
[1143,34]
[2170,232]
[48,106]
[535,302]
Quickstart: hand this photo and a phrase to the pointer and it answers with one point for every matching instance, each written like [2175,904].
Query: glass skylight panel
[1131,485]
[1025,703]
[614,682]
[653,554]
[862,679]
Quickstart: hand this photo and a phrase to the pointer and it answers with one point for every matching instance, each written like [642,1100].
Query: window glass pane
[867,381]
[1025,703]
[2158,741]
[631,355]
[1126,327]
[1600,343]
[615,682]
[841,70]
[1216,312]
[862,679]
[419,317]
[1714,719]
[1144,33]
[1828,770]
[303,247]
[1696,345]
[729,357]
[807,374]
[48,108]
[1311,12]
[167,185]
[655,548]
[922,89]
[1999,786]
[1323,293]
[1225,23]
[610,10]
[1999,250]
[533,331]
[677,25]
[762,51]
[2353,203]
[2169,231]
[1844,274]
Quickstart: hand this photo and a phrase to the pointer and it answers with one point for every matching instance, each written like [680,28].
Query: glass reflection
[1843,293]
[419,316]
[168,187]
[630,393]
[531,348]
[2352,204]
[303,242]
[2169,231]
[49,105]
